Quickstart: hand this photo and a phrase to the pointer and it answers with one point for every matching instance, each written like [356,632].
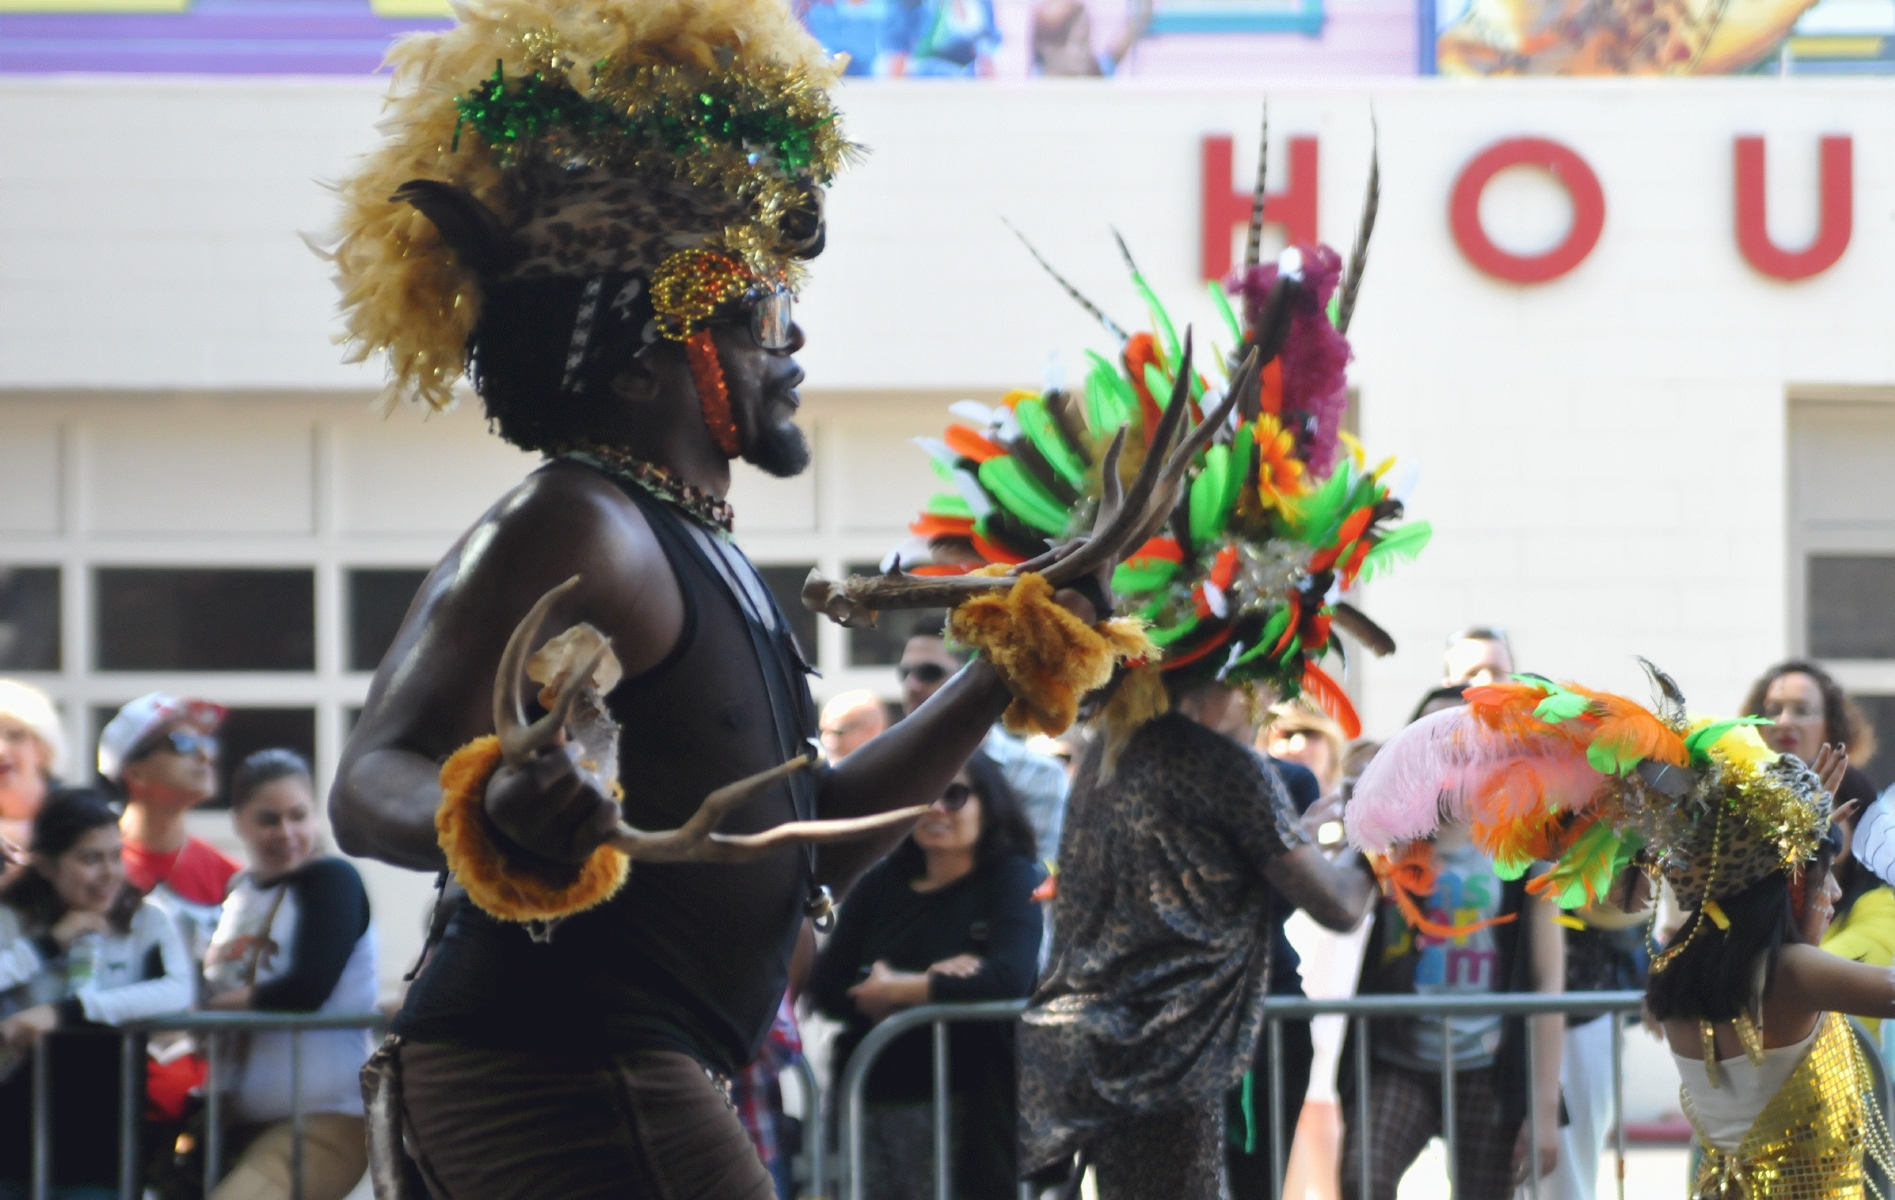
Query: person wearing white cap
[32,755]
[160,752]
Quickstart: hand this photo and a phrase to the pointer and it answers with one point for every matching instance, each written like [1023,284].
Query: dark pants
[1250,1173]
[503,1125]
[1405,1111]
[1176,1155]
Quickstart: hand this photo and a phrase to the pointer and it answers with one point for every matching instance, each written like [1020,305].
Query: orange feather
[1322,687]
[1630,731]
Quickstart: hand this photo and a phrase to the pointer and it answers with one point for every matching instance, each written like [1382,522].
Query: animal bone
[1125,519]
[577,668]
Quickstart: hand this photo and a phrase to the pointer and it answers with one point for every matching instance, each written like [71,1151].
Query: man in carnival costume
[1775,1083]
[1180,852]
[599,208]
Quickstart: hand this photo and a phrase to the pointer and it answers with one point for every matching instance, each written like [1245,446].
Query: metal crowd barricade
[131,1094]
[1359,1010]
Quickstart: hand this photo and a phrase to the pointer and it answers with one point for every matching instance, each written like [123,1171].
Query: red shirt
[196,872]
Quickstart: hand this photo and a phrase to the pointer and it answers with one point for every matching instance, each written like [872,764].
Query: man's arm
[434,690]
[1335,894]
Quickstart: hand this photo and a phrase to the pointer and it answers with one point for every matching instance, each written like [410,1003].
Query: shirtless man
[621,335]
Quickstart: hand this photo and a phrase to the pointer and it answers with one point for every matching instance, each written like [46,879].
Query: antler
[697,841]
[1125,520]
[519,741]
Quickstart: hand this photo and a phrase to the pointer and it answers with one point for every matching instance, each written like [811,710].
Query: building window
[193,619]
[29,619]
[882,645]
[246,731]
[378,601]
[1852,605]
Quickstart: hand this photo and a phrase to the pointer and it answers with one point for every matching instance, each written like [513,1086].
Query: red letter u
[1832,233]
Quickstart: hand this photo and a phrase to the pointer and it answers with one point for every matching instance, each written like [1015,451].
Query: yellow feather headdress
[720,105]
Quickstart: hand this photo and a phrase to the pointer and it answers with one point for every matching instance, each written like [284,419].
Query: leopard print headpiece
[1743,820]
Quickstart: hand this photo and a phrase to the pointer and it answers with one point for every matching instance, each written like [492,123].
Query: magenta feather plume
[1449,767]
[1314,358]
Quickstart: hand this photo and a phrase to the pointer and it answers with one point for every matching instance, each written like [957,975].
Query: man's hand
[234,1000]
[22,1029]
[75,925]
[549,809]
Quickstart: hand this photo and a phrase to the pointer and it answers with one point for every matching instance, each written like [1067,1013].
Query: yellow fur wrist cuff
[1048,657]
[509,891]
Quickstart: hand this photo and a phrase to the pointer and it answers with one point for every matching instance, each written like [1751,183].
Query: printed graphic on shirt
[1466,891]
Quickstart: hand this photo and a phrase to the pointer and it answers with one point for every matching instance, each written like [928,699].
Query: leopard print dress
[1152,1000]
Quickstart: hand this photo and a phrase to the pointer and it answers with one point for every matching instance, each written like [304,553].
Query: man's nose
[796,340]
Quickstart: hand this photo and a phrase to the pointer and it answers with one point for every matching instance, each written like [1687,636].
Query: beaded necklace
[656,481]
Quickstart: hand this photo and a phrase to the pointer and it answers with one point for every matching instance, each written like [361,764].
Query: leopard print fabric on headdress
[588,223]
[1741,823]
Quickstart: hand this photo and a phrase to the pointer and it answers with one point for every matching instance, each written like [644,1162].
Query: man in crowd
[32,754]
[1039,780]
[1477,655]
[849,720]
[160,752]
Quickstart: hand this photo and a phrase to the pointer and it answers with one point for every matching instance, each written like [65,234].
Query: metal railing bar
[297,1130]
[1518,1004]
[1618,1099]
[1278,1155]
[42,1185]
[1363,1157]
[942,1142]
[213,1114]
[1447,1106]
[855,1072]
[815,1131]
[1533,1108]
[254,1022]
[129,1114]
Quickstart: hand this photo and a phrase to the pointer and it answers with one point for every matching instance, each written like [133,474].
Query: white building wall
[1604,457]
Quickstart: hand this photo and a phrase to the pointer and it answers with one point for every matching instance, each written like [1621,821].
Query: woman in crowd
[80,952]
[32,753]
[948,916]
[295,937]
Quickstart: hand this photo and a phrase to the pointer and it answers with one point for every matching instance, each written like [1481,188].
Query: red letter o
[1559,162]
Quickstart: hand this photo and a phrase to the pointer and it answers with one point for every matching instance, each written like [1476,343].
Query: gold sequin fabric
[1811,1139]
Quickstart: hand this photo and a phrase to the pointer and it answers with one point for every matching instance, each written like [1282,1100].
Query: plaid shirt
[754,1090]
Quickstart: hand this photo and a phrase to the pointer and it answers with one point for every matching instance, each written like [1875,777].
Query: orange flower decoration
[1280,478]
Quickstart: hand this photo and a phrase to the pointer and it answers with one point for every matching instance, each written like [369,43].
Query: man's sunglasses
[954,799]
[921,672]
[182,743]
[770,315]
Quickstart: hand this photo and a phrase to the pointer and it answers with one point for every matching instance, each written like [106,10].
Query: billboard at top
[1272,41]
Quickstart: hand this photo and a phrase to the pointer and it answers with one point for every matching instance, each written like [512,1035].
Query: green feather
[1109,398]
[948,504]
[1043,431]
[1320,514]
[1699,744]
[1222,305]
[1560,704]
[1139,575]
[1242,447]
[1397,545]
[1584,873]
[1164,635]
[1024,496]
[1160,318]
[1159,385]
[1210,496]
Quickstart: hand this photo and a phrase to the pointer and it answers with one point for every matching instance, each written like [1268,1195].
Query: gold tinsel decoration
[403,292]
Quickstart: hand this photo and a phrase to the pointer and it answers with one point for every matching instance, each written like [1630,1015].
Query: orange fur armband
[510,891]
[1048,657]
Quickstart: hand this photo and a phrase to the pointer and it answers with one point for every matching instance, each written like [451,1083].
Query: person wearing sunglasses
[160,753]
[1039,780]
[948,916]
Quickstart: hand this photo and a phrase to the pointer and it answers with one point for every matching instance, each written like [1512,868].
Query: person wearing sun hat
[32,756]
[159,752]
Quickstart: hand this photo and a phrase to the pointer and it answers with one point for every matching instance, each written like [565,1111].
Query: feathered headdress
[578,138]
[1594,783]
[1280,513]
